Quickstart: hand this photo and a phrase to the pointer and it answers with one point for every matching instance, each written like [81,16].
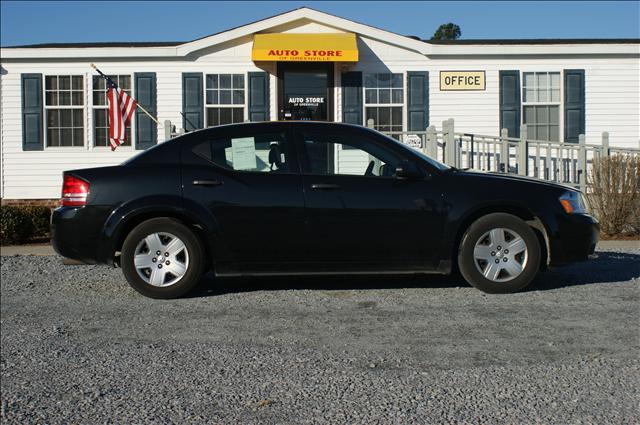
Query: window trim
[559,103]
[402,105]
[242,105]
[45,108]
[402,88]
[92,107]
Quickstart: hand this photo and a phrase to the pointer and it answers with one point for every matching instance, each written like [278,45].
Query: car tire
[162,258]
[499,253]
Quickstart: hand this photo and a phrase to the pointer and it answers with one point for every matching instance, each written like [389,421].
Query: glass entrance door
[305,91]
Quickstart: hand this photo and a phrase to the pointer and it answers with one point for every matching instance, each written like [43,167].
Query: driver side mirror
[409,171]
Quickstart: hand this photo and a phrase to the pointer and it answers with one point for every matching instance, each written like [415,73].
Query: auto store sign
[305,101]
[462,80]
[340,47]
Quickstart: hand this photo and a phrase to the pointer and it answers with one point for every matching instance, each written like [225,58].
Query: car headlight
[573,202]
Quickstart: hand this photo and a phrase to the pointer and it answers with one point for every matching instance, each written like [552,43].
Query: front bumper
[574,239]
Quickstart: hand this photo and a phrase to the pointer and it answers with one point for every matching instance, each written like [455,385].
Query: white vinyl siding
[612,90]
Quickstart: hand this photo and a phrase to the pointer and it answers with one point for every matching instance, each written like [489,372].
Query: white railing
[567,163]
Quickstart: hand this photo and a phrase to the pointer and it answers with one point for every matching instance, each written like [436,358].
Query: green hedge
[20,224]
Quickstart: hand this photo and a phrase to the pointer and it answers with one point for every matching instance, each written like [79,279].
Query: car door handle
[207,183]
[324,186]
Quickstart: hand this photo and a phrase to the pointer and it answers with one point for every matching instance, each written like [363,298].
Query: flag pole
[137,104]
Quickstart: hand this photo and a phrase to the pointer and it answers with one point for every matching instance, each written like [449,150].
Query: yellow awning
[305,47]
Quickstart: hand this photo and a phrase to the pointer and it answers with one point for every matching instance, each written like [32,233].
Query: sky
[29,22]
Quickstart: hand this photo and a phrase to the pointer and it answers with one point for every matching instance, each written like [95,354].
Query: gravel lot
[79,346]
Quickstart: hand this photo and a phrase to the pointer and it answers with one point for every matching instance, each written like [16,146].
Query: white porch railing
[567,163]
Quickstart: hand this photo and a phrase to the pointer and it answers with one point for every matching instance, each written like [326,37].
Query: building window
[64,106]
[101,108]
[541,105]
[384,99]
[224,98]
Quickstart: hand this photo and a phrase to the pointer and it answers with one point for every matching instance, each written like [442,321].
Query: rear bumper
[575,238]
[75,233]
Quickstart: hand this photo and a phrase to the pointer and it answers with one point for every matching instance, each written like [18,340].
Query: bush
[634,221]
[15,225]
[40,218]
[20,224]
[614,193]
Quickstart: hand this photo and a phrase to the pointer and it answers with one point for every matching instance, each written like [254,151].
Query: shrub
[634,221]
[15,225]
[41,218]
[20,224]
[614,194]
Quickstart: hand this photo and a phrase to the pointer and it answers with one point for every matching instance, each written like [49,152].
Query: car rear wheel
[162,258]
[499,253]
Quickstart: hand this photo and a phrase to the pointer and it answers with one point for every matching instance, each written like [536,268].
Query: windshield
[439,165]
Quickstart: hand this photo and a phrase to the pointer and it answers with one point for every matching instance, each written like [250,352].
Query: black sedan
[297,198]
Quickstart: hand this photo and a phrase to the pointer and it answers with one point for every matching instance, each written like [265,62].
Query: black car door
[360,217]
[248,178]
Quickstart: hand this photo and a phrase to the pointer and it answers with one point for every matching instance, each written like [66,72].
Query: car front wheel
[499,253]
[162,258]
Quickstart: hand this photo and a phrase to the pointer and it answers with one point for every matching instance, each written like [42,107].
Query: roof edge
[183,48]
[98,44]
[490,41]
[509,41]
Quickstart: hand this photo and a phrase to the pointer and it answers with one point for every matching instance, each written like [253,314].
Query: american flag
[121,107]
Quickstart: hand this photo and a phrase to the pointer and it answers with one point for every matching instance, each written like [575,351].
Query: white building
[305,64]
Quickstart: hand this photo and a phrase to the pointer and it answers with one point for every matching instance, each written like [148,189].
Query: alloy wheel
[161,259]
[500,255]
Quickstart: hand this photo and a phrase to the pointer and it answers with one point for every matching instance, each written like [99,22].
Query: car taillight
[74,191]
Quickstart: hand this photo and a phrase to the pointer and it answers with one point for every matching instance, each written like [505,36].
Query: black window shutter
[574,113]
[352,97]
[510,102]
[145,95]
[192,101]
[32,137]
[418,100]
[258,96]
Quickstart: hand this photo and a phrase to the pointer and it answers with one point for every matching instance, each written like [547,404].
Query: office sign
[462,80]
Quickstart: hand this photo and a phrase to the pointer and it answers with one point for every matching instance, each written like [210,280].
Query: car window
[346,154]
[261,152]
[433,162]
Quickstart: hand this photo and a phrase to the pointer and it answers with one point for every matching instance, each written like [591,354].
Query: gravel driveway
[80,346]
